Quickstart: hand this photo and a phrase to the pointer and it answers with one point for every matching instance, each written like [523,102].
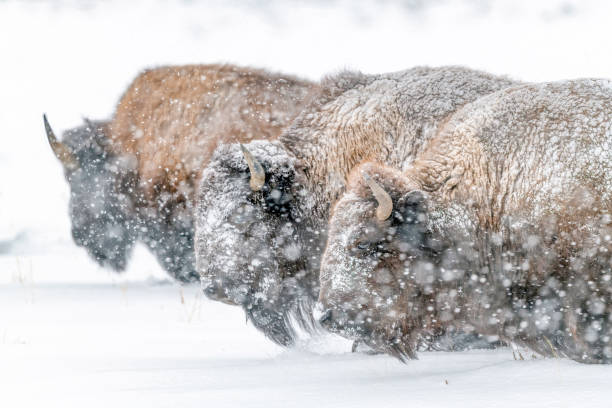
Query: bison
[262,209]
[502,227]
[133,178]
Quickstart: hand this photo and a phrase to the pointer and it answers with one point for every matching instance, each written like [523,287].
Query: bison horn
[258,175]
[61,150]
[385,204]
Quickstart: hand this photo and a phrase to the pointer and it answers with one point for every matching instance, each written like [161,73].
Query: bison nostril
[326,317]
[211,291]
[100,256]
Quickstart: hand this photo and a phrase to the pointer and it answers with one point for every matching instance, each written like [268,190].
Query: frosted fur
[506,128]
[388,117]
[512,240]
[138,172]
[257,259]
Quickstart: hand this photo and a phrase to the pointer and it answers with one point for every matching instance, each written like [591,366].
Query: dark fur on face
[253,246]
[101,203]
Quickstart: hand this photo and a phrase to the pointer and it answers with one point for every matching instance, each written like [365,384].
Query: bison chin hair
[283,326]
[398,339]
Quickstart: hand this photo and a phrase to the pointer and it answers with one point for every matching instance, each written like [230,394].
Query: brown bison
[262,208]
[502,226]
[133,178]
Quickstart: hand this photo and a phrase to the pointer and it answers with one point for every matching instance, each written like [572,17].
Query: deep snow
[72,332]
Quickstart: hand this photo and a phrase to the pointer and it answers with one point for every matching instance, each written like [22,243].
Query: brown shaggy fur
[172,118]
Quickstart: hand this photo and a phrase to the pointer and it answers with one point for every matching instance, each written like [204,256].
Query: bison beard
[280,326]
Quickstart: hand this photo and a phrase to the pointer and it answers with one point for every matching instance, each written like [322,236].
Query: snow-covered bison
[263,208]
[503,226]
[133,178]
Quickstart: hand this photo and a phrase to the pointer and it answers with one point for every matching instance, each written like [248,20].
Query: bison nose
[210,291]
[214,291]
[217,292]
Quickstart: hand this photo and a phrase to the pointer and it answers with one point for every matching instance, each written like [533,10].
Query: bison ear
[412,207]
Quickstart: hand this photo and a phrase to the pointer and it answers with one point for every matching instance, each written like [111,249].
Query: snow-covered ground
[142,345]
[73,333]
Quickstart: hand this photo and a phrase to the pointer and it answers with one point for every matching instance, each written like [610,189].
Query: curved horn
[385,204]
[258,175]
[60,150]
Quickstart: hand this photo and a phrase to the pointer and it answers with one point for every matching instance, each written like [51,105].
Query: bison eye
[367,248]
[363,245]
[362,248]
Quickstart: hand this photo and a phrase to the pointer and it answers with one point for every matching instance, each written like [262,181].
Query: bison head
[251,247]
[382,264]
[101,185]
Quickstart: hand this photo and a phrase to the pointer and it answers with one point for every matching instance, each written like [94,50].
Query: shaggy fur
[502,226]
[137,173]
[262,249]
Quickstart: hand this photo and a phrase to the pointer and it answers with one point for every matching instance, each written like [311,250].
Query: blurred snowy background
[72,332]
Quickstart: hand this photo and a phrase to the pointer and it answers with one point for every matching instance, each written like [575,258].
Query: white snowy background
[73,334]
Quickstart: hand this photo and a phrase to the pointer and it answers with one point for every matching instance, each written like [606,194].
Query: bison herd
[395,209]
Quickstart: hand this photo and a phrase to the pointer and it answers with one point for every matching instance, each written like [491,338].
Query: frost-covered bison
[503,226]
[133,178]
[262,208]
